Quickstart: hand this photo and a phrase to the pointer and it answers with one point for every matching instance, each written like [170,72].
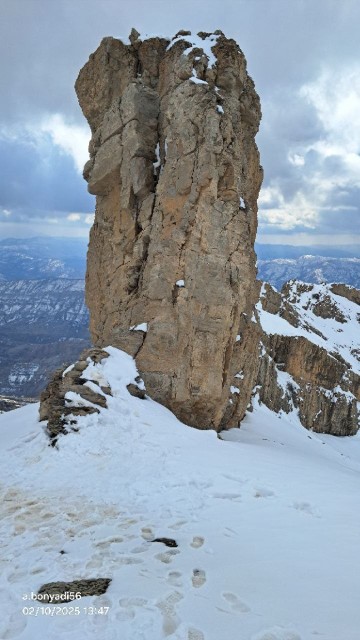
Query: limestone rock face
[310,357]
[171,275]
[71,394]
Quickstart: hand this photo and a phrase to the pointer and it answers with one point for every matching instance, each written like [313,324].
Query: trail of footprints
[231,603]
[51,543]
[107,553]
[133,607]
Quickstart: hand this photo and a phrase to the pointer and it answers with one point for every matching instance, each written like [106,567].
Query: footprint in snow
[175,578]
[198,578]
[103,544]
[167,608]
[195,634]
[126,523]
[235,603]
[167,556]
[147,533]
[197,542]
[132,602]
[37,570]
[306,508]
[128,608]
[262,492]
[16,576]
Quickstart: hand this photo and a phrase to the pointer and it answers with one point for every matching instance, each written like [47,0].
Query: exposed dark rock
[90,587]
[169,542]
[57,403]
[135,391]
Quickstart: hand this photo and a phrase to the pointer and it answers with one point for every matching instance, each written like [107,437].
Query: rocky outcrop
[171,276]
[308,361]
[70,393]
[346,291]
[176,174]
[56,592]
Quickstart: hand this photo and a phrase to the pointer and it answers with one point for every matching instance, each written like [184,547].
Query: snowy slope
[266,520]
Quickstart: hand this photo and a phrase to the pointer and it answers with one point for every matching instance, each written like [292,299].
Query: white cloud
[296,159]
[84,218]
[71,138]
[323,171]
[274,209]
[336,98]
[74,217]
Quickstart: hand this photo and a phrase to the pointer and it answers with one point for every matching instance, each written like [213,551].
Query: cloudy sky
[302,54]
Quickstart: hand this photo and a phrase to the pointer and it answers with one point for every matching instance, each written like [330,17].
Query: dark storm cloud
[37,176]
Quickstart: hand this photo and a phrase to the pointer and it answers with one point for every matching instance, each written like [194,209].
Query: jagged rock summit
[171,276]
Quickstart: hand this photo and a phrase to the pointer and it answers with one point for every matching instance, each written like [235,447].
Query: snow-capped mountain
[251,535]
[43,324]
[310,357]
[315,269]
[44,302]
[42,257]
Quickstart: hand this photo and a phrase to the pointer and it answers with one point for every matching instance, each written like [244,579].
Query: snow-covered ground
[266,520]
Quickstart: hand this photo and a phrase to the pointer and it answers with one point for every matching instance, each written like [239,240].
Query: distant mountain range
[43,324]
[313,269]
[44,320]
[274,251]
[42,257]
[279,263]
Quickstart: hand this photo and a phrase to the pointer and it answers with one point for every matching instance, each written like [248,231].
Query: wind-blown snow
[266,520]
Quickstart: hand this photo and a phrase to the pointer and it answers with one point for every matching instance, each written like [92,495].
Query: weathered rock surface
[310,360]
[171,264]
[171,276]
[71,393]
[69,591]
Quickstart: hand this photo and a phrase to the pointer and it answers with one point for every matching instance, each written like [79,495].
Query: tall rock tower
[171,275]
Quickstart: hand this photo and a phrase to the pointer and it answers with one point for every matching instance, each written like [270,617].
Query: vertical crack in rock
[173,161]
